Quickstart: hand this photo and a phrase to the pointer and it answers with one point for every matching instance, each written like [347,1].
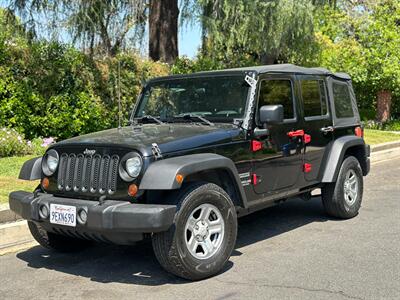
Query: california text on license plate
[63,215]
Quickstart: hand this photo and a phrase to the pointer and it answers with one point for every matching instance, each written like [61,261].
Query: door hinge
[307,168]
[256,145]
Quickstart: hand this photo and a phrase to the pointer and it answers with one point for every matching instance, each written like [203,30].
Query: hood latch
[156,151]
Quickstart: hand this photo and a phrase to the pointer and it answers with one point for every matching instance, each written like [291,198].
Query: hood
[169,137]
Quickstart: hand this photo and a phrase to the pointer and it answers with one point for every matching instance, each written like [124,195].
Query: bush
[14,144]
[393,125]
[52,89]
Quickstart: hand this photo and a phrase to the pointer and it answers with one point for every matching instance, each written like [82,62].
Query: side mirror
[271,114]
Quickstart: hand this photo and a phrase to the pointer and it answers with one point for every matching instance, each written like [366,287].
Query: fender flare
[336,155]
[160,175]
[31,169]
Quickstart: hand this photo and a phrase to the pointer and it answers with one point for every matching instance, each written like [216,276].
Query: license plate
[63,215]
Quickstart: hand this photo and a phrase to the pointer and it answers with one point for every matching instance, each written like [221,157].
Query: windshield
[219,98]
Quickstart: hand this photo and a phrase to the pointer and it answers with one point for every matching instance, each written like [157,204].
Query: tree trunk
[163,30]
[384,102]
[267,59]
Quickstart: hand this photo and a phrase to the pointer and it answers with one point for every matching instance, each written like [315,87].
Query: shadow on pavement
[138,265]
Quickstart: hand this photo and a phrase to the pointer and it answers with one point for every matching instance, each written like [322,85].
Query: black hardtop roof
[278,68]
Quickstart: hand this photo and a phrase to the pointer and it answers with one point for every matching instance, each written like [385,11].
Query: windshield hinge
[252,82]
[156,151]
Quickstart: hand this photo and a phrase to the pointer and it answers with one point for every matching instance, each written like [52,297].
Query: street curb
[385,146]
[7,215]
[15,236]
[386,154]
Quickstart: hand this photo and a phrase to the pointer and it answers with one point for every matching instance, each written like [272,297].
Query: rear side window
[342,100]
[274,92]
[314,98]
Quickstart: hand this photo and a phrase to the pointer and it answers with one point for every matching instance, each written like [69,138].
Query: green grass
[9,170]
[373,137]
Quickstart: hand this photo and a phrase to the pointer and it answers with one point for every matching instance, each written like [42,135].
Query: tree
[102,25]
[163,30]
[270,31]
[365,42]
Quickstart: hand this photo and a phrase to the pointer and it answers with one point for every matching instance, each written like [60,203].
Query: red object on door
[254,179]
[307,168]
[359,132]
[307,138]
[256,145]
[299,132]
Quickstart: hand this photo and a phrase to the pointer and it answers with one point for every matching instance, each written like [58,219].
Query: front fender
[31,169]
[161,174]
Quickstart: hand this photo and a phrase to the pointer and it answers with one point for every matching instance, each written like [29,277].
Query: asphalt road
[292,251]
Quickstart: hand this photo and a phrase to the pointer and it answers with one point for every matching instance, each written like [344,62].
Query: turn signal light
[132,190]
[45,183]
[179,178]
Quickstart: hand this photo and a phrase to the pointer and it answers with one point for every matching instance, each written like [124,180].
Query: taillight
[359,131]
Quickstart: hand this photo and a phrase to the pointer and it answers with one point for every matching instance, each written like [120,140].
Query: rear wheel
[342,199]
[54,241]
[203,236]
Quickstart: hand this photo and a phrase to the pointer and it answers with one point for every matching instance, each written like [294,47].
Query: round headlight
[133,166]
[50,162]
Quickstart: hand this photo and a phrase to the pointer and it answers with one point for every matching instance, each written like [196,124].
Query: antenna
[119,94]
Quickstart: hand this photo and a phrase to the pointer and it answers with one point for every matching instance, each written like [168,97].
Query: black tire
[170,246]
[56,242]
[333,194]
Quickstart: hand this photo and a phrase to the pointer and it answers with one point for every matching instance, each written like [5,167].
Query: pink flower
[29,143]
[47,141]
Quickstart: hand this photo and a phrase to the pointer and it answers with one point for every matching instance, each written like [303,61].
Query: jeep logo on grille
[89,152]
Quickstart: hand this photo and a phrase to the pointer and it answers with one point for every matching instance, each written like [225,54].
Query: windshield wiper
[149,117]
[192,116]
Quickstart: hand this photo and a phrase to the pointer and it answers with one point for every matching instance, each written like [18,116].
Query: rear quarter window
[342,100]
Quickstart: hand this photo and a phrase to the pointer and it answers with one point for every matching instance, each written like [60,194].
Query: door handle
[327,129]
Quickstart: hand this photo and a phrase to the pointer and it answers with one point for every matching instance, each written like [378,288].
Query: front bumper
[113,221]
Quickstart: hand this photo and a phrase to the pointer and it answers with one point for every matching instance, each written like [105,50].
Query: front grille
[88,173]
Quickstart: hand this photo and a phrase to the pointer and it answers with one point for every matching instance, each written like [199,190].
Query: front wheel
[203,236]
[342,199]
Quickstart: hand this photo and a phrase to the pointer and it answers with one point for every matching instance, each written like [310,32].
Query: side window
[277,92]
[313,93]
[342,100]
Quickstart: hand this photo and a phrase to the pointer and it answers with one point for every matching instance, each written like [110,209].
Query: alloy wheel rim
[350,187]
[204,231]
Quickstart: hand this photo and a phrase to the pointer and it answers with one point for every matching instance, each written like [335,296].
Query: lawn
[10,166]
[373,137]
[9,170]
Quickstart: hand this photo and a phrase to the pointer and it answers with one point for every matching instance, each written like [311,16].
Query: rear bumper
[367,160]
[119,222]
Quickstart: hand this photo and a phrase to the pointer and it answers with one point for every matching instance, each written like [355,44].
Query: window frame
[334,103]
[139,100]
[326,116]
[292,86]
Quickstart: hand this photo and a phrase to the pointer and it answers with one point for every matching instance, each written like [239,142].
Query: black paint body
[268,175]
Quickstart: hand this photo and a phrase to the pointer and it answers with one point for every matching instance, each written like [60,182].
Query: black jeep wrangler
[201,150]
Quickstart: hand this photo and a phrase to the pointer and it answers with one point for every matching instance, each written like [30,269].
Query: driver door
[278,164]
